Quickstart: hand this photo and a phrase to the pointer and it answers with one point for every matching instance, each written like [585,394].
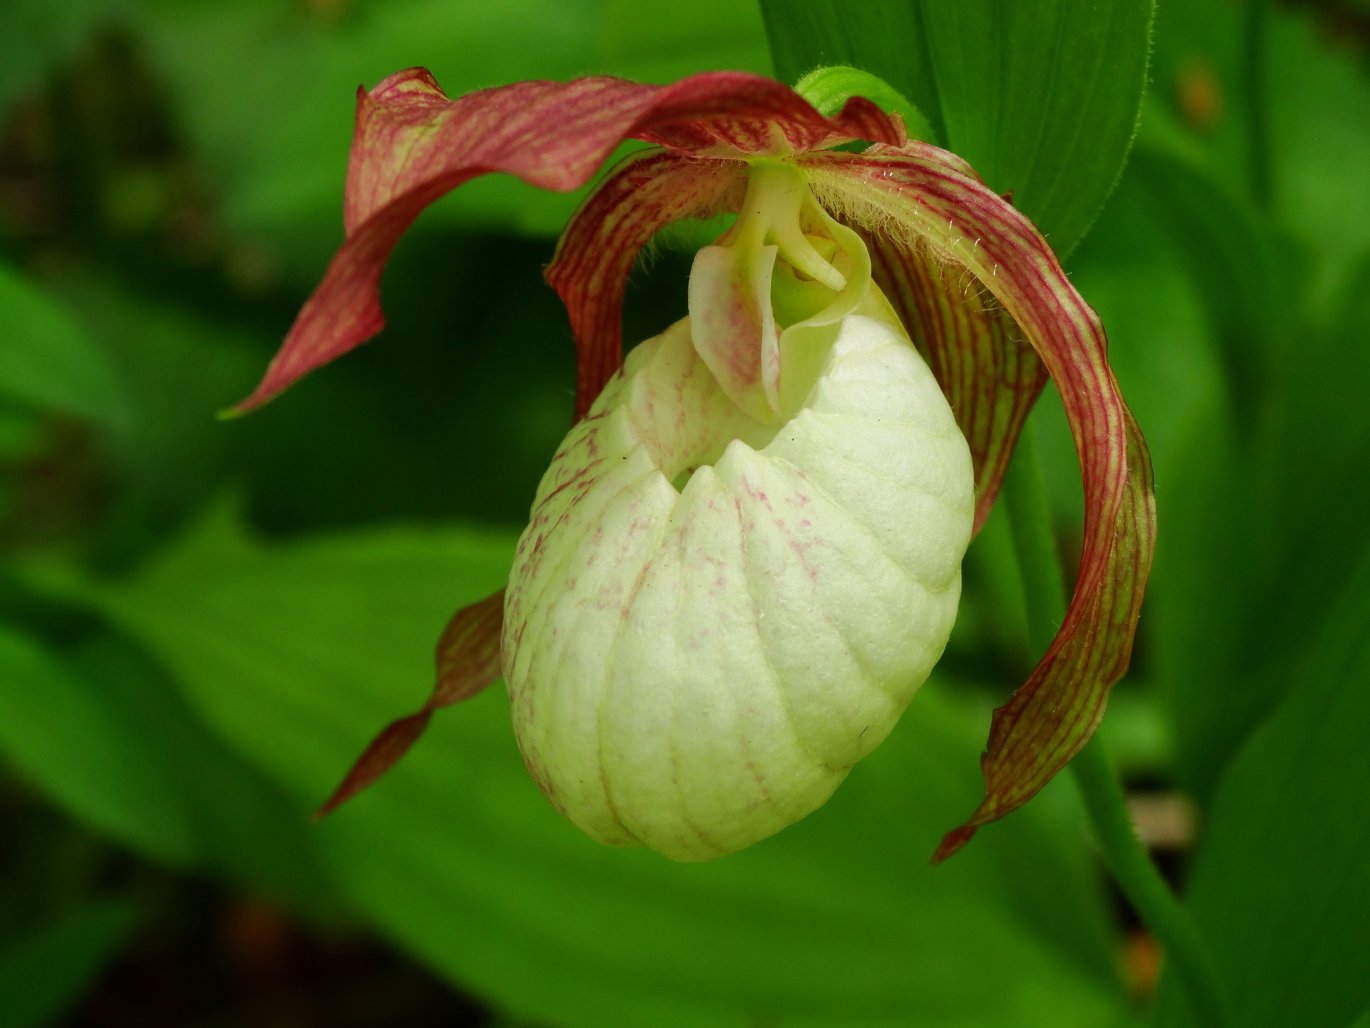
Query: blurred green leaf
[1281,884]
[107,736]
[992,617]
[1197,79]
[297,654]
[1308,494]
[37,37]
[1316,92]
[1319,93]
[89,754]
[326,612]
[246,828]
[110,740]
[42,974]
[839,921]
[48,361]
[1259,495]
[1232,257]
[1041,99]
[654,42]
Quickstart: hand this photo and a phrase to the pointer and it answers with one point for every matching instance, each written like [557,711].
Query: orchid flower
[745,556]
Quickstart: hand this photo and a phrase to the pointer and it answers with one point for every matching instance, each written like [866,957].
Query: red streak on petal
[933,196]
[601,243]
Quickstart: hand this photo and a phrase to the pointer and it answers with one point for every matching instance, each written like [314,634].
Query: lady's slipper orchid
[745,556]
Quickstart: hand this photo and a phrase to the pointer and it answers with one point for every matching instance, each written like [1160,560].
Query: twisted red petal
[413,144]
[929,204]
[468,660]
[1050,718]
[643,194]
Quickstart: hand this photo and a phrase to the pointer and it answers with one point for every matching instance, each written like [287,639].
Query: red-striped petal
[413,145]
[927,203]
[646,192]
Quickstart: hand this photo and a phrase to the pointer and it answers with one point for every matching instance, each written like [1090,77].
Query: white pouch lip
[668,686]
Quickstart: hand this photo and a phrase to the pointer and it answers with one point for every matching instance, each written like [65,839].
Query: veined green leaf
[297,654]
[828,89]
[1281,885]
[1042,98]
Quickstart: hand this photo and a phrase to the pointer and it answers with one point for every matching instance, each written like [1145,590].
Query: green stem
[1122,851]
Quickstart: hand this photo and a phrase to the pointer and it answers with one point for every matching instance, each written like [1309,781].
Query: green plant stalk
[1034,544]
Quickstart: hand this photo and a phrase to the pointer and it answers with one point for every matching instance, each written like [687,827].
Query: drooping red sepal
[468,660]
[413,144]
[930,205]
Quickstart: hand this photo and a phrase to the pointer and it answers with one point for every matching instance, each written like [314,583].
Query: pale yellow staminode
[730,590]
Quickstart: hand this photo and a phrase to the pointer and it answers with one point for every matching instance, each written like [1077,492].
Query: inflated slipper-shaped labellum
[745,556]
